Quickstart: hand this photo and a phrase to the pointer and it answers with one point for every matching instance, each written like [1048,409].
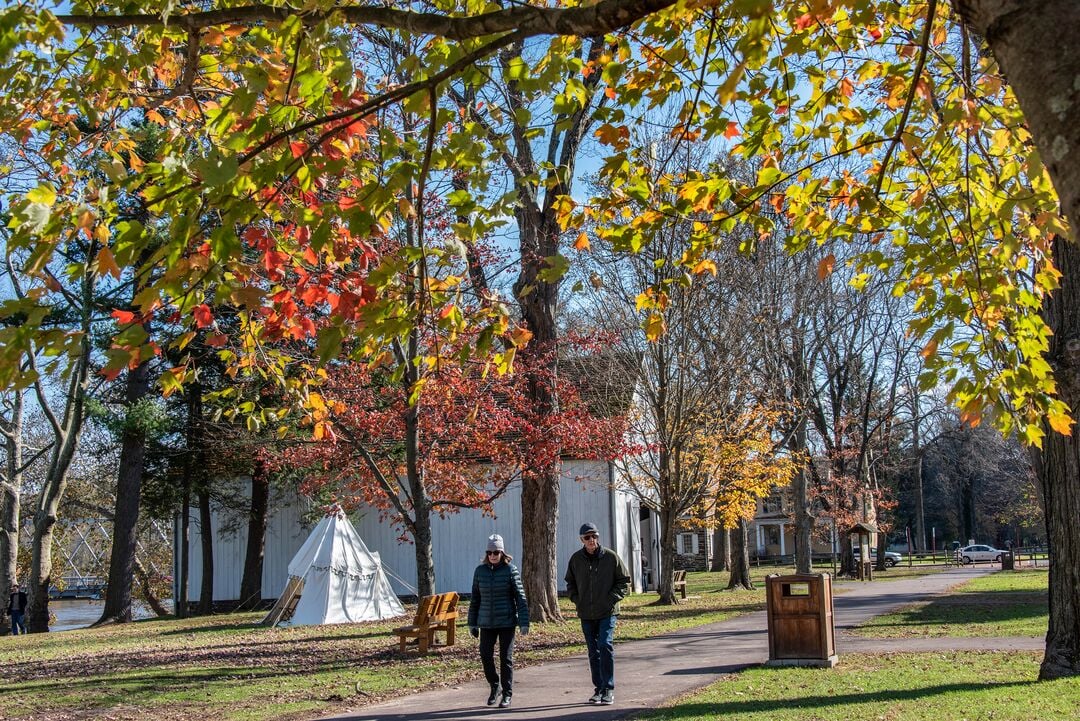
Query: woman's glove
[474,631]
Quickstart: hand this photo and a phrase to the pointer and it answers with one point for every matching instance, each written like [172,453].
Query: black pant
[506,656]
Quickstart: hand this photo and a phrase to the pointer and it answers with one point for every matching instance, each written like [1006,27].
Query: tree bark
[740,557]
[206,541]
[251,583]
[666,580]
[722,544]
[11,488]
[538,300]
[128,496]
[800,484]
[1057,467]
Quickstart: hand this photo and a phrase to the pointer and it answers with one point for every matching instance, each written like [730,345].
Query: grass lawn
[969,686]
[1002,604]
[224,667]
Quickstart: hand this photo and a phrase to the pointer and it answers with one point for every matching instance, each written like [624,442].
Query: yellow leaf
[929,349]
[655,326]
[1060,422]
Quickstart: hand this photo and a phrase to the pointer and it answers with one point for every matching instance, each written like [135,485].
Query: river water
[71,614]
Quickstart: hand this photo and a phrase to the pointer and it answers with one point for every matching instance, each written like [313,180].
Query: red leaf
[732,130]
[298,149]
[203,315]
[804,21]
[123,317]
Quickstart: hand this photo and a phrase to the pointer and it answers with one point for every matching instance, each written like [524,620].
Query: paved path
[651,671]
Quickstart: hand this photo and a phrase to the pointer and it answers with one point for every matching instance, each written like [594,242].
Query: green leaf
[557,265]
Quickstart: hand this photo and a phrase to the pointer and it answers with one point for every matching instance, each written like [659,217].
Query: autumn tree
[955,182]
[478,432]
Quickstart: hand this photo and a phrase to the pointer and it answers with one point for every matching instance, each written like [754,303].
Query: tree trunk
[666,580]
[421,506]
[147,590]
[181,604]
[128,496]
[740,557]
[251,583]
[800,484]
[1035,46]
[848,560]
[538,300]
[11,489]
[722,543]
[919,453]
[37,606]
[1057,467]
[206,539]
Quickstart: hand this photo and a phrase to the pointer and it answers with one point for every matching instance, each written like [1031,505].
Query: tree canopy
[868,120]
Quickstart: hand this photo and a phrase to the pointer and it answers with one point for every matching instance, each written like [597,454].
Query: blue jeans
[17,623]
[600,638]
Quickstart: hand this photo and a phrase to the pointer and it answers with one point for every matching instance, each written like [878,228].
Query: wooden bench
[679,583]
[433,614]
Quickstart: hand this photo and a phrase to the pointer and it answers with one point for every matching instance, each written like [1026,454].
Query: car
[978,552]
[891,558]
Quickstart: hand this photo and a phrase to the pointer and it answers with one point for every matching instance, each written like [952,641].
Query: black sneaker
[607,697]
[596,697]
[505,703]
[494,696]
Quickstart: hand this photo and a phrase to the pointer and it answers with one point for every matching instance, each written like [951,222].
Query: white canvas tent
[334,578]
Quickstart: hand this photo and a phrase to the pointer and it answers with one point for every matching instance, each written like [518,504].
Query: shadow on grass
[133,688]
[821,704]
[991,607]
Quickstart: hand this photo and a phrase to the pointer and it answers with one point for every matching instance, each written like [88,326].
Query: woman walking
[497,606]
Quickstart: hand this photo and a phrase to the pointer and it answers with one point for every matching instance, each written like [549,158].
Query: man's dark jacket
[17,602]
[498,600]
[596,583]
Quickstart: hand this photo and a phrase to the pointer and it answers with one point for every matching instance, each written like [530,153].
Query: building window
[686,544]
[772,504]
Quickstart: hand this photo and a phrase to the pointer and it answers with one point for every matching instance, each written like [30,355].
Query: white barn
[589,492]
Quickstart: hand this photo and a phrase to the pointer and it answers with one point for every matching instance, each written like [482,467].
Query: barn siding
[458,538]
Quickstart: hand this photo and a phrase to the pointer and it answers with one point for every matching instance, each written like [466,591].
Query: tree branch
[602,17]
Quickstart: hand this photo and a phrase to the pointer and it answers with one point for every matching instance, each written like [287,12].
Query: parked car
[970,554]
[891,558]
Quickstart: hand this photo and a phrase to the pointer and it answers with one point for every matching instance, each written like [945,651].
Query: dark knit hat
[587,529]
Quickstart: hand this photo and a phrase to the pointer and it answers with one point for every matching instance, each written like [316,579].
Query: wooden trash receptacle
[799,608]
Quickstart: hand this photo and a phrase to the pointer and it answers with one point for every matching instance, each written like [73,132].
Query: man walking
[597,579]
[16,609]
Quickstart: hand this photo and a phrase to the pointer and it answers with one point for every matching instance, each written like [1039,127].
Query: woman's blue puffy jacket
[498,600]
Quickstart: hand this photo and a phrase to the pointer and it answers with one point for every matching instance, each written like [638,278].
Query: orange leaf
[846,87]
[582,242]
[520,336]
[123,317]
[732,130]
[825,267]
[107,263]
